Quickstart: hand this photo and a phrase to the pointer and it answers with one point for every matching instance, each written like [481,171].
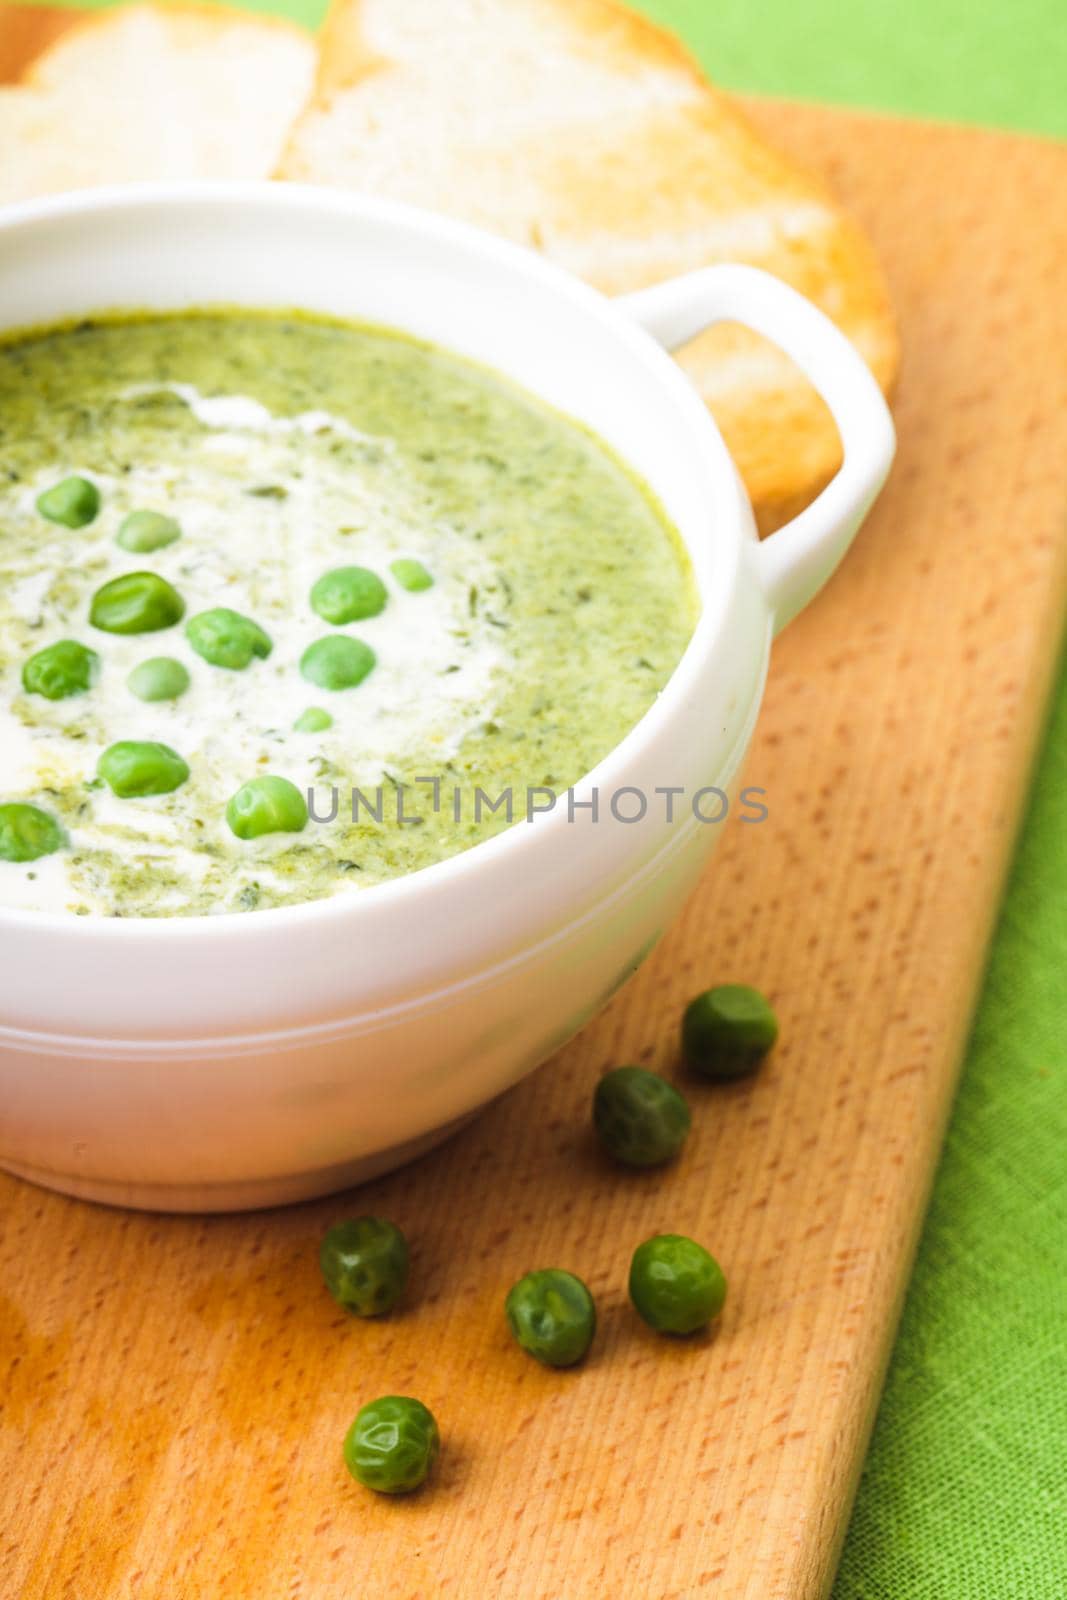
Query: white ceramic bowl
[244,1060]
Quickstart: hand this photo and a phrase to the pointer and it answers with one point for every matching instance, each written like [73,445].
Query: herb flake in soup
[248,555]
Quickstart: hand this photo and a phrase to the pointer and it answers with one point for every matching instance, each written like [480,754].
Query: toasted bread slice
[577,128]
[146,92]
[27,30]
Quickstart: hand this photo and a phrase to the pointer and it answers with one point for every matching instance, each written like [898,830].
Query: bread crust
[145,92]
[26,31]
[632,169]
[684,183]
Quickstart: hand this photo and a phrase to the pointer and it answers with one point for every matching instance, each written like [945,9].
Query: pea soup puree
[246,556]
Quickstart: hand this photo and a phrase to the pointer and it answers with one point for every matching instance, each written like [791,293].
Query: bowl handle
[795,562]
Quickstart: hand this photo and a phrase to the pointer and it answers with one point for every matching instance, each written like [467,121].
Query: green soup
[252,562]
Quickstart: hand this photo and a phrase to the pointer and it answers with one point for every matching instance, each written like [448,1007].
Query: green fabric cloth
[964,1494]
[964,1491]
[965,1487]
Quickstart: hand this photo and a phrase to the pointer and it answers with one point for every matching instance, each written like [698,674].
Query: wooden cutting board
[173,1391]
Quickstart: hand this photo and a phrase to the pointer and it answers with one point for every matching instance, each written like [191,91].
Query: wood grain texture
[174,1390]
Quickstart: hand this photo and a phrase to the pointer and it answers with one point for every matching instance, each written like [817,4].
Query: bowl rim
[710,459]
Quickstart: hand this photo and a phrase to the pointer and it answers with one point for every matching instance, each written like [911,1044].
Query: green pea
[147,530]
[337,662]
[74,502]
[60,670]
[226,639]
[158,678]
[313,720]
[392,1445]
[365,1265]
[135,767]
[727,1031]
[640,1118]
[675,1285]
[410,574]
[138,602]
[27,832]
[348,594]
[552,1316]
[266,805]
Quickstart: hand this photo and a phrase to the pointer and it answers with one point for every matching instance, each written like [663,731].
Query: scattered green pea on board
[73,503]
[640,1118]
[552,1316]
[364,1264]
[392,1445]
[726,1031]
[27,833]
[60,670]
[676,1286]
